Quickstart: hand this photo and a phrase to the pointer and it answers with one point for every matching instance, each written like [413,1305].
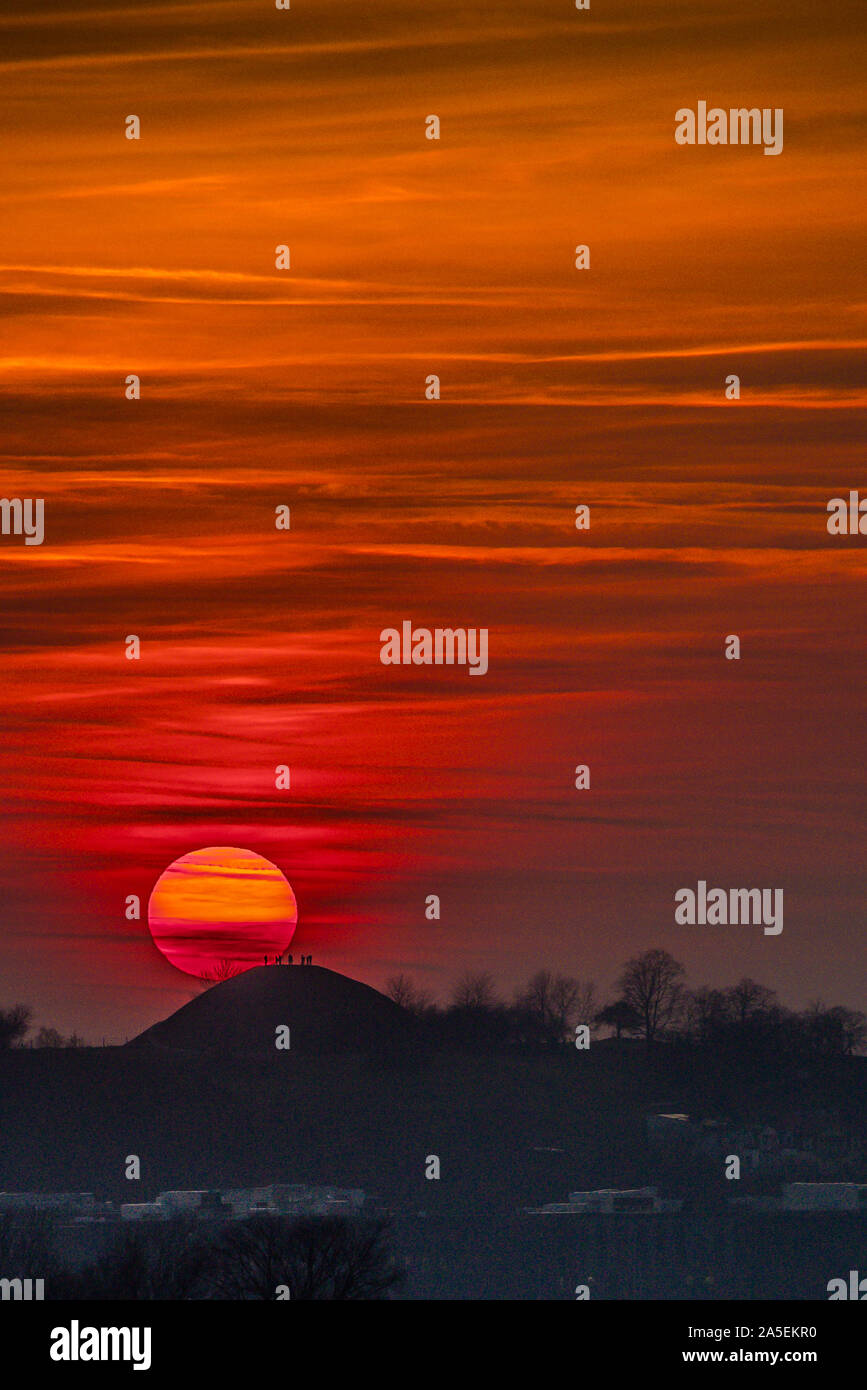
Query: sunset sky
[305,387]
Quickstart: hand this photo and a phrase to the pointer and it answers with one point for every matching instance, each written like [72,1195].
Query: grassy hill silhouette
[324,1011]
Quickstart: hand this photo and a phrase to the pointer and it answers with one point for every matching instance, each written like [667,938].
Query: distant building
[796,1150]
[825,1196]
[64,1203]
[291,1199]
[143,1211]
[635,1199]
[213,1205]
[181,1202]
[610,1201]
[241,1201]
[274,1199]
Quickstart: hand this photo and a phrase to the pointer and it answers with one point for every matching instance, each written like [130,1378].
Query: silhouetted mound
[324,1012]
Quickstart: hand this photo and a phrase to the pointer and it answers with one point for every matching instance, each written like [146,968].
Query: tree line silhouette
[15,1024]
[651,1003]
[183,1258]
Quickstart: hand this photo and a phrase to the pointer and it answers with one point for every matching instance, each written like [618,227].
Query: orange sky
[306,387]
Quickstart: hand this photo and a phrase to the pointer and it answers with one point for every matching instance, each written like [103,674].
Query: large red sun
[215,912]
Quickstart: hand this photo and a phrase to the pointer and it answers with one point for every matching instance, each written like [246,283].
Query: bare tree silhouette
[651,984]
[224,969]
[474,991]
[747,998]
[315,1257]
[408,995]
[556,1002]
[160,1260]
[28,1245]
[620,1016]
[14,1023]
